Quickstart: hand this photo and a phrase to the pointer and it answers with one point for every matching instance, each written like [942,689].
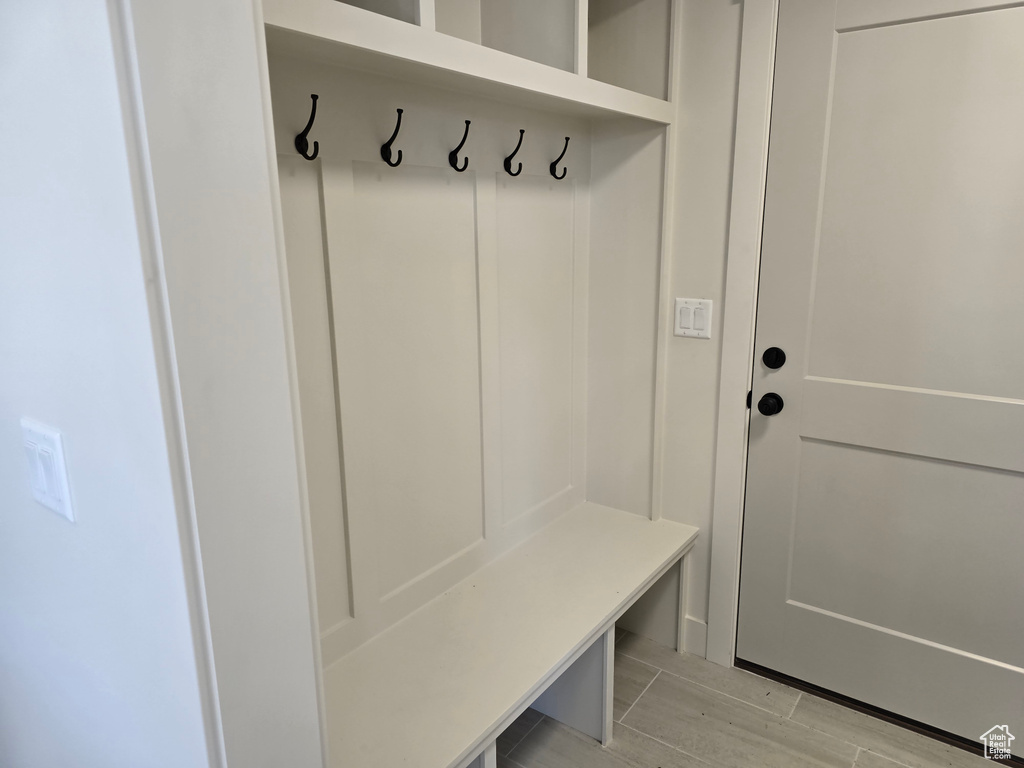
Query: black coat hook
[557,159]
[301,142]
[385,150]
[508,160]
[453,156]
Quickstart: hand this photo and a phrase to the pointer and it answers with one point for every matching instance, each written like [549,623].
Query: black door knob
[774,358]
[770,404]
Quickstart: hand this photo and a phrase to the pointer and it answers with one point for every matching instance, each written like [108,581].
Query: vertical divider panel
[486,759]
[427,15]
[684,584]
[582,697]
[608,692]
[490,354]
[582,37]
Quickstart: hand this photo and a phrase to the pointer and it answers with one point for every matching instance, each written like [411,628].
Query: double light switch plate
[693,318]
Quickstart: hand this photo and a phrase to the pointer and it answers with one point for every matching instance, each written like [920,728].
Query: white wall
[706,99]
[97,663]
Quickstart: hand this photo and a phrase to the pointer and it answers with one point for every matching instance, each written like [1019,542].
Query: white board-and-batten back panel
[441,347]
[404,283]
[535,285]
[313,345]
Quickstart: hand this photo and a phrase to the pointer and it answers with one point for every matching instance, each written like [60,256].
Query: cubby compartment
[540,30]
[403,10]
[459,18]
[629,44]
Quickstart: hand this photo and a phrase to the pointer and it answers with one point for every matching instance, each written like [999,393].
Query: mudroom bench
[533,628]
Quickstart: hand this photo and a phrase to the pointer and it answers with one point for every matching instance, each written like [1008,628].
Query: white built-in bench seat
[534,627]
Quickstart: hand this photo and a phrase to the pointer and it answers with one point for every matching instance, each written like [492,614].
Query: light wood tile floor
[679,711]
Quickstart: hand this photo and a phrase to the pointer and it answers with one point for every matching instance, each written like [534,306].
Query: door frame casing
[743,260]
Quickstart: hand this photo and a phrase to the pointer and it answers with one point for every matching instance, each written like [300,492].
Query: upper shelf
[335,32]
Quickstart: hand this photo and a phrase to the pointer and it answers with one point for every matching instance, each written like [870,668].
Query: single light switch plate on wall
[693,318]
[48,473]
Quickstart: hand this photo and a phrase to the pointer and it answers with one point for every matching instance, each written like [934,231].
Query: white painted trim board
[750,164]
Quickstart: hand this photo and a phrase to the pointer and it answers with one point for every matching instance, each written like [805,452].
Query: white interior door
[884,523]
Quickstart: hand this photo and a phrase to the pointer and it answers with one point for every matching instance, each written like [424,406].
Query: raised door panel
[861,548]
[922,194]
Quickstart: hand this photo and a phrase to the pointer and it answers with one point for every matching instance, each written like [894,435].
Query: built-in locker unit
[474,266]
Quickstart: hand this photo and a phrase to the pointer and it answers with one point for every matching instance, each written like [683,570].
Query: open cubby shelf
[535,56]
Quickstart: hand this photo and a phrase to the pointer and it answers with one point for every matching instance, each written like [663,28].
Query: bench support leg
[609,686]
[582,696]
[491,755]
[681,628]
[486,759]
